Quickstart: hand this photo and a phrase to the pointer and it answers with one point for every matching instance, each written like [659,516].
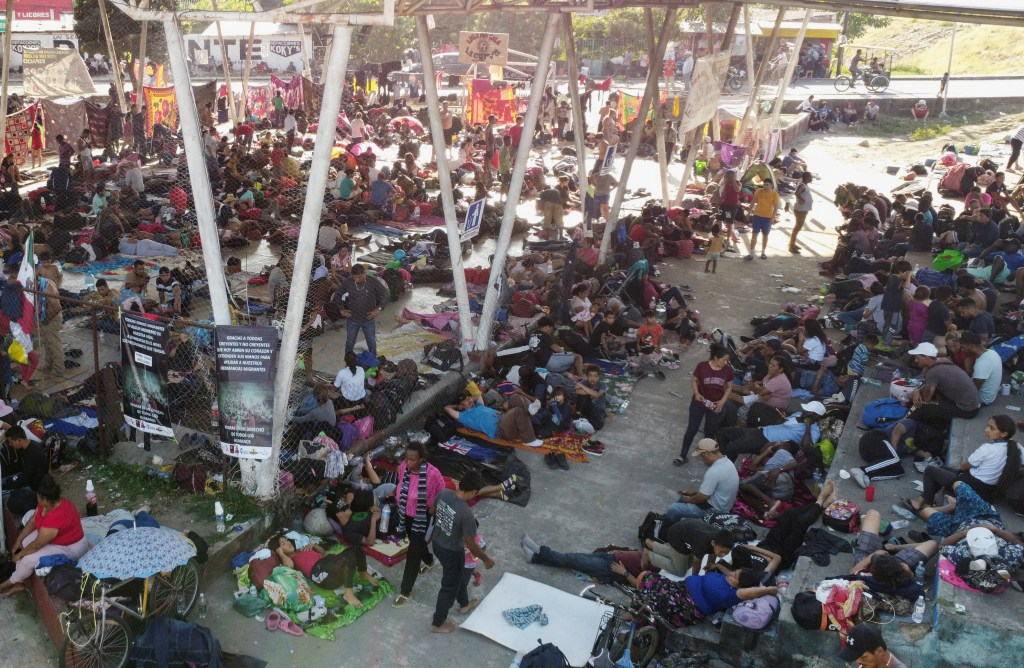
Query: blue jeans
[369,329]
[594,564]
[681,509]
[850,318]
[699,413]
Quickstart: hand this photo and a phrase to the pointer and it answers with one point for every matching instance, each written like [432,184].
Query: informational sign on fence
[144,360]
[609,158]
[246,362]
[53,73]
[705,91]
[486,48]
[474,217]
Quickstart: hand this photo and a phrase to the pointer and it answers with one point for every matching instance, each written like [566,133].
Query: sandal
[274,620]
[909,504]
[424,568]
[400,600]
[678,461]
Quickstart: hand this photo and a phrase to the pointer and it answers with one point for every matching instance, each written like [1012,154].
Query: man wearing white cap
[800,428]
[947,392]
[718,488]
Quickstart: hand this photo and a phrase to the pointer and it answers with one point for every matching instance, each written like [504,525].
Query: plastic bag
[17,352]
[249,605]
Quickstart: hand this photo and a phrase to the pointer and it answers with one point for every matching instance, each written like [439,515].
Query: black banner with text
[246,365]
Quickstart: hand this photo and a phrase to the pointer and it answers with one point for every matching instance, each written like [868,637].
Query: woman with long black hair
[989,470]
[712,385]
[418,486]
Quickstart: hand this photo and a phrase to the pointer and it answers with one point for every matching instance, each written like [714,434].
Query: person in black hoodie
[34,465]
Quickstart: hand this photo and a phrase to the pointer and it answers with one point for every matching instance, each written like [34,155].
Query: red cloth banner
[291,91]
[161,107]
[485,100]
[18,139]
[259,101]
[629,107]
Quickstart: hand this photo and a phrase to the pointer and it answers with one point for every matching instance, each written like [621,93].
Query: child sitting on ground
[555,416]
[918,314]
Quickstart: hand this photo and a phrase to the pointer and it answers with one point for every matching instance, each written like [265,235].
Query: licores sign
[488,48]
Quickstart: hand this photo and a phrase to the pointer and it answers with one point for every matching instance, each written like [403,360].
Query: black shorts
[448,134]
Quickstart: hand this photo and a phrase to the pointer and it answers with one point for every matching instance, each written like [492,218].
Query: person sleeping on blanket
[512,424]
[331,571]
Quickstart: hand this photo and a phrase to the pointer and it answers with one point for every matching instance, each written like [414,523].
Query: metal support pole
[650,96]
[755,88]
[307,68]
[790,68]
[305,251]
[949,71]
[515,188]
[444,177]
[9,18]
[142,61]
[202,193]
[659,124]
[225,65]
[579,124]
[115,62]
[245,76]
[749,51]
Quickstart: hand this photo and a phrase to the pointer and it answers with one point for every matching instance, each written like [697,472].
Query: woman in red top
[56,528]
[730,207]
[712,385]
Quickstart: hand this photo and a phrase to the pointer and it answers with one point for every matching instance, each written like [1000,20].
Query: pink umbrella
[414,123]
[364,147]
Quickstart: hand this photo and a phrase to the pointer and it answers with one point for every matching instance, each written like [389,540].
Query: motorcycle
[736,78]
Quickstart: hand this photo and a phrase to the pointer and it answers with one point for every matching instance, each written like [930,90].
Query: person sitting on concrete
[885,576]
[800,428]
[987,373]
[773,481]
[603,564]
[963,510]
[718,488]
[989,470]
[549,354]
[20,488]
[510,425]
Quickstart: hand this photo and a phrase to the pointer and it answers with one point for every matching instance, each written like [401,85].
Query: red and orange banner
[18,139]
[485,100]
[161,107]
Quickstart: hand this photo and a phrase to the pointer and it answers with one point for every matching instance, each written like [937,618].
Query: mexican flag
[23,327]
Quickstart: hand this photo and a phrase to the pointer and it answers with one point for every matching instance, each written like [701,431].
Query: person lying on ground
[888,569]
[687,602]
[331,571]
[800,428]
[511,424]
[606,565]
[995,545]
[772,481]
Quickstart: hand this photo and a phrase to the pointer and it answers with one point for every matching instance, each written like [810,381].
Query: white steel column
[141,79]
[755,86]
[115,62]
[9,18]
[444,177]
[225,66]
[659,123]
[651,95]
[579,124]
[245,77]
[790,68]
[202,193]
[304,253]
[515,188]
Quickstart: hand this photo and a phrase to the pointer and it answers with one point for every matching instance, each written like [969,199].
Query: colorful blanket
[801,497]
[469,449]
[570,445]
[115,265]
[421,223]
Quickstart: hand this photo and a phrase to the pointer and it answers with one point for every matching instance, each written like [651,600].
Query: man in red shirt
[243,134]
[516,132]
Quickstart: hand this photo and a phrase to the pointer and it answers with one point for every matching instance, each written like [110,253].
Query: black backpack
[655,527]
[545,656]
[443,356]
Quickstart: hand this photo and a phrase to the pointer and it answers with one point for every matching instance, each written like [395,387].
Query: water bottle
[385,519]
[817,481]
[202,605]
[748,376]
[416,211]
[918,615]
[218,510]
[90,499]
[90,283]
[622,407]
[900,524]
[919,573]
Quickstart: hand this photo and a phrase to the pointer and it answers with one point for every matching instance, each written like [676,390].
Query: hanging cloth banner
[154,74]
[99,122]
[67,119]
[629,107]
[55,73]
[204,94]
[291,91]
[144,362]
[312,93]
[18,139]
[485,100]
[259,101]
[246,361]
[161,107]
[705,90]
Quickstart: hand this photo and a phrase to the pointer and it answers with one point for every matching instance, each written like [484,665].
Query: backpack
[952,180]
[880,412]
[190,477]
[655,527]
[757,613]
[54,446]
[734,524]
[396,284]
[842,515]
[43,406]
[443,356]
[545,656]
[933,279]
[441,427]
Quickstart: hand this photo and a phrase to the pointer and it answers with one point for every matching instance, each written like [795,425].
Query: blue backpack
[880,412]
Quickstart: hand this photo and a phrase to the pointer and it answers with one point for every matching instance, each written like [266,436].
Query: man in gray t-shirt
[454,531]
[717,490]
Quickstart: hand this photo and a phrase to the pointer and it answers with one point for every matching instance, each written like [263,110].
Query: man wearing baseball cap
[717,490]
[800,428]
[946,392]
[866,648]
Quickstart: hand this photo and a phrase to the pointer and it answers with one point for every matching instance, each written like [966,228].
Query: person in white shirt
[351,380]
[358,127]
[988,367]
[290,124]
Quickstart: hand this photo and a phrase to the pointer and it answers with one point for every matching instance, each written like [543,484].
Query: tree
[126,31]
[858,24]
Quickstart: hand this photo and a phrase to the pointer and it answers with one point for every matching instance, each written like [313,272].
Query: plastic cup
[869,493]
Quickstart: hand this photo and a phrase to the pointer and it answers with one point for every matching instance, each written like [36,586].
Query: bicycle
[876,82]
[634,630]
[95,638]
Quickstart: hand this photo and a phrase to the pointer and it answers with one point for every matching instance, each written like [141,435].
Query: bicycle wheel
[735,83]
[645,646]
[843,83]
[175,593]
[878,84]
[88,646]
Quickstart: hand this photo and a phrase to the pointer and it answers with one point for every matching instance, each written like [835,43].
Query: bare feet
[828,493]
[447,627]
[14,589]
[369,578]
[773,512]
[473,602]
[351,599]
